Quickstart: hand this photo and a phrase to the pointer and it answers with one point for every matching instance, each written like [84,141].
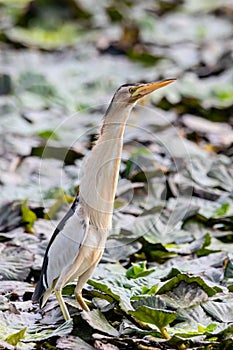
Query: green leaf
[154,301]
[139,161]
[223,210]
[112,282]
[48,135]
[10,323]
[44,334]
[175,281]
[161,255]
[158,317]
[15,263]
[221,311]
[97,320]
[203,250]
[104,288]
[185,295]
[117,290]
[150,291]
[210,328]
[192,317]
[223,93]
[36,83]
[227,333]
[144,57]
[65,35]
[138,270]
[28,217]
[14,338]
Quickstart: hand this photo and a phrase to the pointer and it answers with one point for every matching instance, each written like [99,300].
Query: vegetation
[166,277]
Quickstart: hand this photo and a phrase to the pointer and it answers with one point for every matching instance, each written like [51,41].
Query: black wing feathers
[40,287]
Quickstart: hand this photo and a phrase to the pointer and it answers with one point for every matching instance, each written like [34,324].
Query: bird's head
[131,93]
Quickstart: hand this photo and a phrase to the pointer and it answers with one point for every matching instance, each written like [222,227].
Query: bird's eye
[131,90]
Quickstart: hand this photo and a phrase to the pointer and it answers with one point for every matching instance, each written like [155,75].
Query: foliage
[28,217]
[166,277]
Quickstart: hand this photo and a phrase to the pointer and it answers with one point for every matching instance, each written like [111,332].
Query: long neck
[101,168]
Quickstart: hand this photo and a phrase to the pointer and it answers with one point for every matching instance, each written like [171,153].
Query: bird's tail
[40,294]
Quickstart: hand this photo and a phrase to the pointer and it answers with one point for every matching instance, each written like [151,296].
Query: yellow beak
[145,89]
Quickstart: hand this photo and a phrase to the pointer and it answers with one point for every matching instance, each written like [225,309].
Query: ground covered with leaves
[166,277]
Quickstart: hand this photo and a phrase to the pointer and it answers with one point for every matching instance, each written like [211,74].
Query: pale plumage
[77,244]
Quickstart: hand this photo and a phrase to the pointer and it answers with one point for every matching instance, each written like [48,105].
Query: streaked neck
[101,168]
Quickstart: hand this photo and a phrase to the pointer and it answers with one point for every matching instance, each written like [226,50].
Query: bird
[78,242]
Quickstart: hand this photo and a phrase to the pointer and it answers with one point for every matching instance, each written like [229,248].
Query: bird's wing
[62,249]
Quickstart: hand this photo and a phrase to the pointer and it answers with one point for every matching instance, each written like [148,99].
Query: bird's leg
[81,302]
[62,304]
[83,279]
[78,289]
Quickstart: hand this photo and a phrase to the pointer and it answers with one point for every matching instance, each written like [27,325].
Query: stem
[61,199]
[167,336]
[164,333]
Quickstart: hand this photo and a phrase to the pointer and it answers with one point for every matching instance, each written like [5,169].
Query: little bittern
[77,243]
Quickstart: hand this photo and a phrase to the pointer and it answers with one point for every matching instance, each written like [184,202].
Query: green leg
[62,305]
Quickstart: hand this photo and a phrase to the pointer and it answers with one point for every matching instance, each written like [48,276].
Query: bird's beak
[145,89]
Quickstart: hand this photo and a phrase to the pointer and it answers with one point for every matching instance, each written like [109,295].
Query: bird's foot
[81,302]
